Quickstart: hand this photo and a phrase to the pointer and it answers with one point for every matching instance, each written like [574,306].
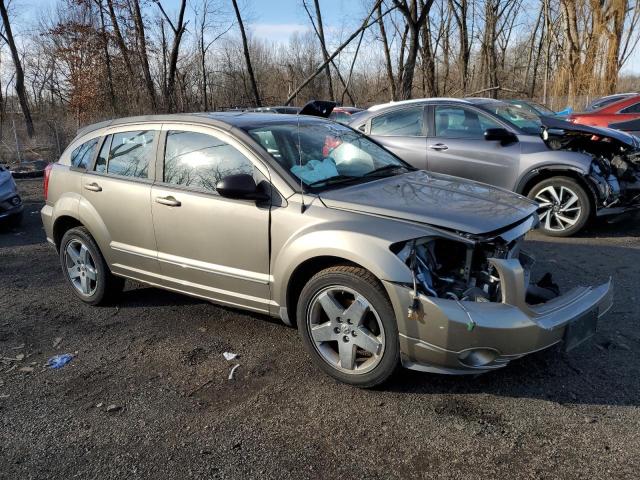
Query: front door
[402,131]
[210,246]
[457,147]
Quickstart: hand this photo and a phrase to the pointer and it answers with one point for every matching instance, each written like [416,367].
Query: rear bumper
[10,206]
[474,337]
[47,222]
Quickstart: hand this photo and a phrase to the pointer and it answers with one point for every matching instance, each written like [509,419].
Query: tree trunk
[107,58]
[247,56]
[416,21]
[428,65]
[119,40]
[323,44]
[387,54]
[20,90]
[178,31]
[615,28]
[144,58]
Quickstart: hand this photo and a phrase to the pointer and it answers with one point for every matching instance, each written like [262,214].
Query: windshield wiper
[333,180]
[386,168]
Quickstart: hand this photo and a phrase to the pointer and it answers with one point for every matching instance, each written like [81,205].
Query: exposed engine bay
[461,271]
[616,157]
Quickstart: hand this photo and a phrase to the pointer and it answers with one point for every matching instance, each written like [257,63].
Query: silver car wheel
[562,207]
[346,330]
[81,268]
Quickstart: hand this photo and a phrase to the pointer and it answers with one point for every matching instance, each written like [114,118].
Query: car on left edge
[11,207]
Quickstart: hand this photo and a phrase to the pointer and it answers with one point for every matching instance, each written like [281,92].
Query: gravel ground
[156,361]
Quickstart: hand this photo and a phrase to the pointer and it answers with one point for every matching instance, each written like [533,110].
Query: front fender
[578,165]
[358,238]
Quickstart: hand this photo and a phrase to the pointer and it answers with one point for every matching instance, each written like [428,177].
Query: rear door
[208,245]
[457,146]
[116,199]
[403,131]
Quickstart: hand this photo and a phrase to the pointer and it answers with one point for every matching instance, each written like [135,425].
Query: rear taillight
[47,173]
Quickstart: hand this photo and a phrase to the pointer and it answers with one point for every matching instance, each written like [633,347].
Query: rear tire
[85,269]
[348,326]
[566,206]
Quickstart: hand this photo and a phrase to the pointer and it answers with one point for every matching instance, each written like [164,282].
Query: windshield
[542,109]
[521,118]
[321,154]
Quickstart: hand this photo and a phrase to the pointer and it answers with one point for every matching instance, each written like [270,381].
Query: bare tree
[178,31]
[206,22]
[365,24]
[460,10]
[323,44]
[7,36]
[107,56]
[387,53]
[142,51]
[415,17]
[119,39]
[247,56]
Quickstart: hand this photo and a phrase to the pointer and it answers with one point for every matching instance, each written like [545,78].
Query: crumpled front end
[615,168]
[481,314]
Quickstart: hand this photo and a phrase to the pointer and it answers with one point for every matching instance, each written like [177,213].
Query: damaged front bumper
[467,337]
[614,196]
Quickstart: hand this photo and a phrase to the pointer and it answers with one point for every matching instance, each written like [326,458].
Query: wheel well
[303,273]
[61,226]
[546,174]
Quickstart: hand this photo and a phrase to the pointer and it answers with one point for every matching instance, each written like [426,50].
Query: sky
[276,20]
[273,20]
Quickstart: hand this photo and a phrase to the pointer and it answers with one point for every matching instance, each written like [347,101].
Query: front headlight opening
[454,270]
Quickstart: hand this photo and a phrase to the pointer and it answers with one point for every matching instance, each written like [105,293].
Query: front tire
[348,326]
[565,206]
[85,269]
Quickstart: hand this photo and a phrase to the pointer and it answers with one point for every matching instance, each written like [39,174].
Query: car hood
[439,200]
[555,127]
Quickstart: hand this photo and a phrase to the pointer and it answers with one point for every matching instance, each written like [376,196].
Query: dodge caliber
[376,263]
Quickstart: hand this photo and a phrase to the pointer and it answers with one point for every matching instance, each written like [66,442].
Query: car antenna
[302,207]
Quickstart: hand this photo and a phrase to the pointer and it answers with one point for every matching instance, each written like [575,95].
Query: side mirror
[502,135]
[240,187]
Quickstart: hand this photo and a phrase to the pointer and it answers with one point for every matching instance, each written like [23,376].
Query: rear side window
[81,156]
[407,122]
[131,153]
[199,160]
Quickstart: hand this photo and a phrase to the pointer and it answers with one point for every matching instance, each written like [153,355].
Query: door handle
[168,201]
[94,187]
[439,147]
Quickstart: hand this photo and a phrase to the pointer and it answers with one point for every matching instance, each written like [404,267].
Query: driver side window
[198,160]
[460,122]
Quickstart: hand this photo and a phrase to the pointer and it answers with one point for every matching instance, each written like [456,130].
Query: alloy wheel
[561,207]
[81,268]
[346,330]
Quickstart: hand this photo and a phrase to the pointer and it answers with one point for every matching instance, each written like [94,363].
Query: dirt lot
[158,358]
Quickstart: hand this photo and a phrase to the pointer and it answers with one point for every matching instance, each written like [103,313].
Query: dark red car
[611,114]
